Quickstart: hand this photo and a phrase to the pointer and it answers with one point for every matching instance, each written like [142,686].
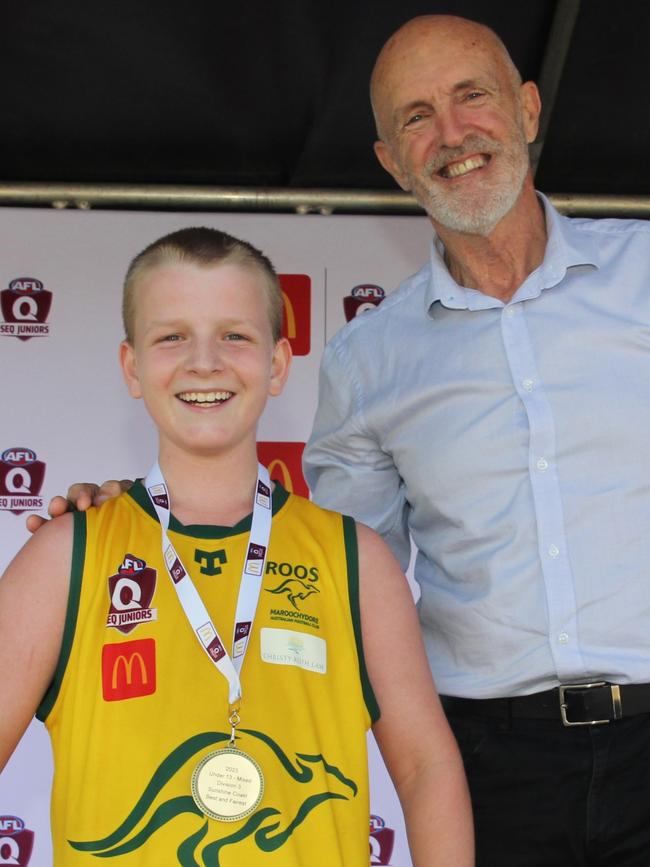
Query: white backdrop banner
[66,415]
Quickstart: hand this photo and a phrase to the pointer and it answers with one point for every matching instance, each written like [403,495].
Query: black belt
[576,704]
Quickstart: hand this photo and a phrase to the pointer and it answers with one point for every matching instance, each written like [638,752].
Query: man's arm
[412,733]
[33,602]
[81,496]
[344,464]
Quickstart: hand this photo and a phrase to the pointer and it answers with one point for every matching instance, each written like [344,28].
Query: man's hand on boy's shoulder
[81,496]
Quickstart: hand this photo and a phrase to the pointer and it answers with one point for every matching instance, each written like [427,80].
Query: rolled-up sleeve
[344,464]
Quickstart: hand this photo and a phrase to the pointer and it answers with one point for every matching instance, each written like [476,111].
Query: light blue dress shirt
[513,442]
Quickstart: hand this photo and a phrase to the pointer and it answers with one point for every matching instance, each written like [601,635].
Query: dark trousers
[548,796]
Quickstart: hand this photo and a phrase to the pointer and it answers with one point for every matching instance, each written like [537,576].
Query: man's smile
[462,167]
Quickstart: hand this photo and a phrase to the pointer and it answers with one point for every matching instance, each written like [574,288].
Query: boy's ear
[280,365]
[129,369]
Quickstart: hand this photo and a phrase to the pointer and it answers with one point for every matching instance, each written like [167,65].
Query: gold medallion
[227,785]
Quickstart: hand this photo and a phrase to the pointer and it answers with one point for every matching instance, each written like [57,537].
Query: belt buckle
[616,702]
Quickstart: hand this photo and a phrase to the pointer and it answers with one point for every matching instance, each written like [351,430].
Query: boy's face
[203,357]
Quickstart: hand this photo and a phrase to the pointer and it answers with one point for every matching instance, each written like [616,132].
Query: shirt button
[527,384]
[563,638]
[542,464]
[553,551]
[510,311]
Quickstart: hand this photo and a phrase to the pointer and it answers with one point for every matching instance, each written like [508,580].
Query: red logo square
[129,669]
[296,321]
[284,462]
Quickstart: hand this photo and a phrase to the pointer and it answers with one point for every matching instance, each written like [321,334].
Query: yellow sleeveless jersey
[136,704]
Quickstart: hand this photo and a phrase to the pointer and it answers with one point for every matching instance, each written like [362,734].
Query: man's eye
[414,118]
[171,338]
[474,94]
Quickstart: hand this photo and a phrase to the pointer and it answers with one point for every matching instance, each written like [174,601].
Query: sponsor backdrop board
[66,414]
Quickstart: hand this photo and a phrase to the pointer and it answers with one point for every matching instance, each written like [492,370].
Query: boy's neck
[210,490]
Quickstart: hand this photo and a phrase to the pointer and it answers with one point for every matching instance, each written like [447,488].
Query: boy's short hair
[202,246]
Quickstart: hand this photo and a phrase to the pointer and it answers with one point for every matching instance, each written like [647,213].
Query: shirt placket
[549,514]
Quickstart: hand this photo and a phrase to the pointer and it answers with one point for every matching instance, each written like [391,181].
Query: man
[496,405]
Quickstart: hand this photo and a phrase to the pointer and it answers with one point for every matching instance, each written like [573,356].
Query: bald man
[496,405]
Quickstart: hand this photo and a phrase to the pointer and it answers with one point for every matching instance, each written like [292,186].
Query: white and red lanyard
[249,588]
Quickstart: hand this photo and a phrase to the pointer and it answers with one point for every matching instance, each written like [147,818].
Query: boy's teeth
[205,396]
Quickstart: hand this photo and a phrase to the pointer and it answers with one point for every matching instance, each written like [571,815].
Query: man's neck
[497,264]
[210,490]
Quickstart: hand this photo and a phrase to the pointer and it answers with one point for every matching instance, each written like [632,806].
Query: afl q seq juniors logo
[25,306]
[131,590]
[382,840]
[362,298]
[16,841]
[21,479]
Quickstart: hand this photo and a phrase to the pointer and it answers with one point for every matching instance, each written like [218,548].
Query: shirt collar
[566,248]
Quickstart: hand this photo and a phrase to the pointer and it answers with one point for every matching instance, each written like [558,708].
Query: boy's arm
[415,740]
[33,602]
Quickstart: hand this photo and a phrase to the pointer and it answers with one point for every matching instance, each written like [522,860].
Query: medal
[227,784]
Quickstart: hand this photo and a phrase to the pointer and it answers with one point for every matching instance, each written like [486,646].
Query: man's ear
[280,366]
[531,107]
[385,157]
[129,369]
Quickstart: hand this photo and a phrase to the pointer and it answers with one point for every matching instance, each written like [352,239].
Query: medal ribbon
[249,587]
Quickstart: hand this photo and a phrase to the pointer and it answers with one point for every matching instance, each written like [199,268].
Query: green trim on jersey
[204,531]
[352,556]
[76,571]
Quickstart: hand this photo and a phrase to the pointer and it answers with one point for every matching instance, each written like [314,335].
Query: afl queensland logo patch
[21,478]
[16,841]
[362,298]
[131,590]
[25,306]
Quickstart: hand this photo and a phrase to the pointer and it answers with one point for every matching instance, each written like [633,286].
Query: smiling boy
[202,707]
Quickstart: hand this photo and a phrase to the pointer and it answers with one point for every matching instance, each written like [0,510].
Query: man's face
[455,127]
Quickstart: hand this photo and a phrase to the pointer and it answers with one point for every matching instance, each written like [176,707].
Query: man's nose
[452,127]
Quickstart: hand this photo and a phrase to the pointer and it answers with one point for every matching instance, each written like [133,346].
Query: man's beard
[479,208]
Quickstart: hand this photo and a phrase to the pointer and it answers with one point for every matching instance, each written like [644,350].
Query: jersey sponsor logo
[382,840]
[311,780]
[364,297]
[208,561]
[131,590]
[129,669]
[25,306]
[284,463]
[297,588]
[296,317]
[21,479]
[289,647]
[16,841]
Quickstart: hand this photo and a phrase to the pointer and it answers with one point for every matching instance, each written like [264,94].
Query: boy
[163,753]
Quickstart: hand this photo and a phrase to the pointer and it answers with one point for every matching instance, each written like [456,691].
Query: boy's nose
[205,357]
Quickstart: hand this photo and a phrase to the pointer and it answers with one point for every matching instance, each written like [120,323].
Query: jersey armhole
[352,557]
[76,571]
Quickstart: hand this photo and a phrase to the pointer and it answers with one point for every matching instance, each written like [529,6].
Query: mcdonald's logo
[296,321]
[284,462]
[129,669]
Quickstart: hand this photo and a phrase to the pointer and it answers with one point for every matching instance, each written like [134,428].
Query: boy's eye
[235,335]
[171,338]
